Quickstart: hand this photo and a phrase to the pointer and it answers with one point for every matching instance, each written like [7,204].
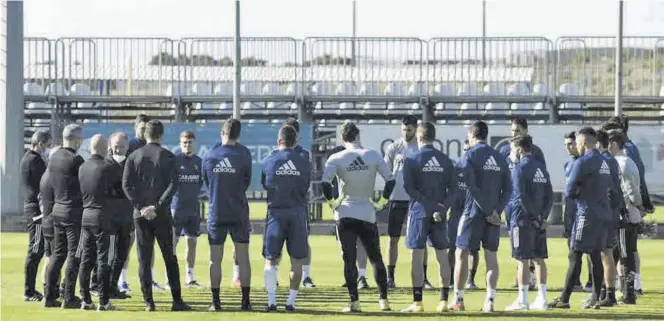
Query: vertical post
[237,63]
[619,61]
[352,48]
[483,33]
[11,110]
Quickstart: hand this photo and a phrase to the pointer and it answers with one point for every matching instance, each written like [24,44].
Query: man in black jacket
[123,225]
[97,241]
[150,179]
[66,215]
[32,169]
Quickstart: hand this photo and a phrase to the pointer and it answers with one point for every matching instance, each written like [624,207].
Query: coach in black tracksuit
[150,179]
[32,169]
[46,207]
[63,168]
[97,241]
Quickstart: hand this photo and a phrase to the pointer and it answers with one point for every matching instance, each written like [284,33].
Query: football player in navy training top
[430,180]
[488,188]
[588,188]
[526,215]
[285,177]
[186,205]
[518,128]
[227,175]
[570,204]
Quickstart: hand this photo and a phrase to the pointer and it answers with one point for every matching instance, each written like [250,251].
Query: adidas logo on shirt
[539,177]
[288,168]
[605,169]
[357,165]
[224,166]
[491,165]
[432,166]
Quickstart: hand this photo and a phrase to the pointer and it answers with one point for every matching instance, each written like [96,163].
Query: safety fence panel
[269,65]
[494,66]
[365,66]
[586,65]
[117,66]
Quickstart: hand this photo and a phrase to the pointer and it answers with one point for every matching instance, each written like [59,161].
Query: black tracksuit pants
[66,238]
[97,248]
[34,256]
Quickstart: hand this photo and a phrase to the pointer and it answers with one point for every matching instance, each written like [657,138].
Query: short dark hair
[603,138]
[589,133]
[292,122]
[479,130]
[524,142]
[349,132]
[40,136]
[571,135]
[188,134]
[288,136]
[428,130]
[521,122]
[612,125]
[141,118]
[618,137]
[625,122]
[409,120]
[232,128]
[154,130]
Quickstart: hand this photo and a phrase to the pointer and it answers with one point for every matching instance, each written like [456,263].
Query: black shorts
[396,216]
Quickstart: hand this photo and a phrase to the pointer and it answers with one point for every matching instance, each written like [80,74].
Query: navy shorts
[239,232]
[587,235]
[528,243]
[476,231]
[186,223]
[286,226]
[452,227]
[422,230]
[395,217]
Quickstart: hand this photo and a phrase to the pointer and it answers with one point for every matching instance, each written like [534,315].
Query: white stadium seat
[395,89]
[56,89]
[370,89]
[519,90]
[81,90]
[274,89]
[445,90]
[495,89]
[253,89]
[345,89]
[418,89]
[542,90]
[323,89]
[33,89]
[224,89]
[203,89]
[296,89]
[569,89]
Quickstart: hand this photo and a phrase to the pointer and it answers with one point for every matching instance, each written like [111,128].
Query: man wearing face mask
[398,210]
[32,169]
[66,215]
[123,226]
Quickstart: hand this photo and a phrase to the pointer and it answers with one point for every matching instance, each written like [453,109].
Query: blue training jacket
[227,175]
[570,203]
[286,176]
[430,180]
[532,195]
[487,178]
[190,182]
[587,185]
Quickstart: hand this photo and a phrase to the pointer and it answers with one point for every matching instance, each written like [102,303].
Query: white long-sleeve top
[630,184]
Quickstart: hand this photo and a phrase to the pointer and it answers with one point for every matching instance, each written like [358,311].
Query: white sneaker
[539,304]
[516,306]
[488,306]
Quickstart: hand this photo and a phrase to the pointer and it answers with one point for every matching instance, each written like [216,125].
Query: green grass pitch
[324,302]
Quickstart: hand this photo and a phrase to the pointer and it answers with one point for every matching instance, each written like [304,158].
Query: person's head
[519,127]
[408,126]
[98,145]
[586,138]
[602,140]
[140,123]
[426,134]
[292,122]
[570,144]
[350,134]
[617,141]
[478,132]
[287,137]
[187,142]
[72,136]
[154,131]
[466,145]
[230,131]
[40,142]
[612,124]
[520,146]
[118,144]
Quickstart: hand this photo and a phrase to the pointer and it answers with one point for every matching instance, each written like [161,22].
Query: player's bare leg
[417,278]
[235,281]
[216,256]
[492,273]
[444,276]
[190,253]
[609,265]
[296,276]
[306,272]
[427,284]
[242,255]
[522,278]
[541,274]
[392,259]
[460,276]
[474,263]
